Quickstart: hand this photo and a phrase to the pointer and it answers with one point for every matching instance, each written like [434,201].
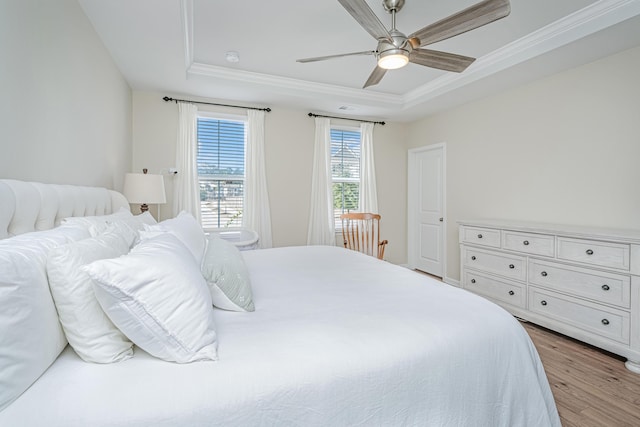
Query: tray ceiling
[179,47]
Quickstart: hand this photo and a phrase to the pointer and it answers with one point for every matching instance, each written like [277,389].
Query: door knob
[441,219]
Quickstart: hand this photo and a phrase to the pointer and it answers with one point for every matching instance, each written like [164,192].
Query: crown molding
[186,18]
[291,86]
[586,21]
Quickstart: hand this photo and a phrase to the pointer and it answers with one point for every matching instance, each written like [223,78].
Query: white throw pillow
[89,331]
[158,298]
[227,276]
[186,228]
[137,222]
[97,224]
[30,334]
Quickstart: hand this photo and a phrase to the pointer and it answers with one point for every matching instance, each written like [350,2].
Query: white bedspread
[337,339]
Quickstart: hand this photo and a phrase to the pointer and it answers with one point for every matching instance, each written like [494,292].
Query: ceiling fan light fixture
[393,59]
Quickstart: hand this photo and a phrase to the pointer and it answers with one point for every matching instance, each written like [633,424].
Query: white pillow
[97,224]
[158,298]
[87,327]
[227,276]
[30,334]
[186,228]
[137,222]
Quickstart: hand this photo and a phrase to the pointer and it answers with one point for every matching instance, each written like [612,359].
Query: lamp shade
[144,188]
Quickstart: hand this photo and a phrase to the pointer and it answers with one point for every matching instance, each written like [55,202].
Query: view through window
[345,172]
[221,154]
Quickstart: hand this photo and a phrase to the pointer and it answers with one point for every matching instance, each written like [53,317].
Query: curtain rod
[167,99]
[345,118]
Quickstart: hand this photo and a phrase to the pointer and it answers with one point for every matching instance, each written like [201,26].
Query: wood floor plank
[591,387]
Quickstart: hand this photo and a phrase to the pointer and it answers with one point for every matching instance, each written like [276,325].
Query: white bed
[337,339]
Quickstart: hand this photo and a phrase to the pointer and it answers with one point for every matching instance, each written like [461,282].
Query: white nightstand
[243,238]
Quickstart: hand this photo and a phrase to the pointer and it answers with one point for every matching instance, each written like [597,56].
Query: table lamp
[144,188]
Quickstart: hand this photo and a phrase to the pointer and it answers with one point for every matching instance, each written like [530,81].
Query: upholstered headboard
[33,206]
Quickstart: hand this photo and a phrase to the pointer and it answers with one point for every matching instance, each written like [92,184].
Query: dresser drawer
[530,243]
[593,252]
[511,293]
[606,322]
[511,266]
[480,236]
[609,288]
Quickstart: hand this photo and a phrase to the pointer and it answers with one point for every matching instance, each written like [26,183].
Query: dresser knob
[473,280]
[511,293]
[473,258]
[589,252]
[479,236]
[605,287]
[543,302]
[605,322]
[511,266]
[526,243]
[543,274]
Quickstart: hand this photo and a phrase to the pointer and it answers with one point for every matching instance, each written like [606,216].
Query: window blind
[221,155]
[345,172]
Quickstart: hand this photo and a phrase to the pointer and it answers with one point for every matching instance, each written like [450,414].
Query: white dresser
[579,281]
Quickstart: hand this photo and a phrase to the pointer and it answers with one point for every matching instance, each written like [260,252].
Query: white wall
[65,115]
[289,136]
[563,149]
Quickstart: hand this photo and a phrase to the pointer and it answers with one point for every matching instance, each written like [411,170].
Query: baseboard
[447,280]
[452,282]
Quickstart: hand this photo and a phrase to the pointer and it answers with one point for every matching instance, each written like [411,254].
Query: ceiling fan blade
[468,19]
[375,77]
[322,58]
[440,60]
[362,13]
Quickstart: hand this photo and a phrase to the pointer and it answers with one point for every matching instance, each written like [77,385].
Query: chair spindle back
[361,232]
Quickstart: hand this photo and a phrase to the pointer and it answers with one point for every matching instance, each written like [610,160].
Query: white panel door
[426,209]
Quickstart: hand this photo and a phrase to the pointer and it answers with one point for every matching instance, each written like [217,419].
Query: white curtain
[321,226]
[256,215]
[186,191]
[368,201]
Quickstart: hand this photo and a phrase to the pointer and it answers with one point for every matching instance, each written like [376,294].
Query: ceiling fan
[395,50]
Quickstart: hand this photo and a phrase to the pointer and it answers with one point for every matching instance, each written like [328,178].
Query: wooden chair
[361,232]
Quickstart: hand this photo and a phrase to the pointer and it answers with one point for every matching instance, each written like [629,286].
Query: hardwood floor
[591,387]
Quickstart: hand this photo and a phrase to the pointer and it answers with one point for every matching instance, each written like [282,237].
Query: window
[345,172]
[221,151]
